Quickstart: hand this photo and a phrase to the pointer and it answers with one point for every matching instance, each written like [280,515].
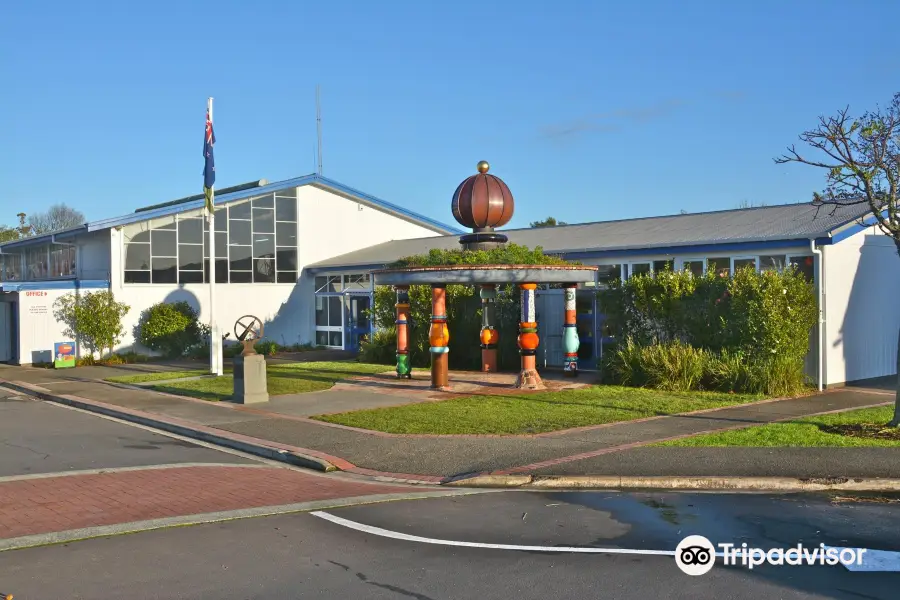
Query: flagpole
[215,339]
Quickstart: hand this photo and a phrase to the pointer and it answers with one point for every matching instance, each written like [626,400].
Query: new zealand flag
[209,166]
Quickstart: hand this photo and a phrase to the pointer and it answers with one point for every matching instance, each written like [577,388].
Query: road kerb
[205,434]
[607,482]
[86,533]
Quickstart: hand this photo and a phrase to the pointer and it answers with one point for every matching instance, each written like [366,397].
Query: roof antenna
[319,131]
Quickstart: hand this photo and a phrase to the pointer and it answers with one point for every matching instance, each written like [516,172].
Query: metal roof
[189,203]
[787,222]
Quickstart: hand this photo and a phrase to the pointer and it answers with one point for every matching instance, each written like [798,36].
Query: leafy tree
[861,160]
[57,217]
[548,222]
[8,234]
[93,319]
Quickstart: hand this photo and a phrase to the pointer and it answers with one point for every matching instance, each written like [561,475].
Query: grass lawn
[855,428]
[281,377]
[532,413]
[156,376]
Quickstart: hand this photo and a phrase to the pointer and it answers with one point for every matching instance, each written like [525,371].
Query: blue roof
[314,180]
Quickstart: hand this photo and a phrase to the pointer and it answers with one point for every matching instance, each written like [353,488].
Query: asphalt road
[39,437]
[305,556]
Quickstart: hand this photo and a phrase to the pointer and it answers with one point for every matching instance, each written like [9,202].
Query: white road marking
[873,560]
[423,540]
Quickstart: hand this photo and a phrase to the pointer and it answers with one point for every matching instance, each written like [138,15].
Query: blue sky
[588,110]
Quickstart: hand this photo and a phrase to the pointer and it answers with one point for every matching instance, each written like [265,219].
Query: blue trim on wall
[686,250]
[58,284]
[315,180]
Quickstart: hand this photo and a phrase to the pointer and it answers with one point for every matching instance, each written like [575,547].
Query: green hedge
[747,333]
[759,314]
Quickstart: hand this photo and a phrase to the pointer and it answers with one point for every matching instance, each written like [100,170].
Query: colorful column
[402,306]
[528,340]
[490,337]
[439,337]
[570,334]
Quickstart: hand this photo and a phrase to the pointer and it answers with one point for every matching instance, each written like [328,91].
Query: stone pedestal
[250,379]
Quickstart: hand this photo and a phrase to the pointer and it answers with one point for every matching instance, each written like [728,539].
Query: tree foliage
[57,217]
[860,157]
[548,222]
[94,319]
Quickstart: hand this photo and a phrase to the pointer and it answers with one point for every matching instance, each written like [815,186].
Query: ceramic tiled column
[439,337]
[570,334]
[403,367]
[528,340]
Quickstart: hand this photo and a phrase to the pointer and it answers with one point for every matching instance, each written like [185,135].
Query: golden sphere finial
[483,166]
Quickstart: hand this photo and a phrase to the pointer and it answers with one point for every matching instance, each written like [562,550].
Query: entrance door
[5,332]
[358,322]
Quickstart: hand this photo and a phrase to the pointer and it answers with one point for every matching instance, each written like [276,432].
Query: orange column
[439,337]
[404,369]
[528,340]
[490,337]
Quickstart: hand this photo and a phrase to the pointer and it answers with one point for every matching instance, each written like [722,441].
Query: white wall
[328,225]
[38,329]
[331,225]
[862,285]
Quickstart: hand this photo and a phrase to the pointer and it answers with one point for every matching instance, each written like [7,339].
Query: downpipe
[820,333]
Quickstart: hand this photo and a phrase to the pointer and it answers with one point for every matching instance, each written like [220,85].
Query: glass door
[358,323]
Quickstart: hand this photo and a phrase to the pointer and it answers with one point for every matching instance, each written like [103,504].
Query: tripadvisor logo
[696,555]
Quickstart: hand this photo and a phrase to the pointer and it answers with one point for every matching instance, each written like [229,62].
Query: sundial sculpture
[249,367]
[248,330]
[484,202]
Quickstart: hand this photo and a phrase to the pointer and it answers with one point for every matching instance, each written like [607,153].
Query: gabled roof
[314,180]
[767,224]
[242,191]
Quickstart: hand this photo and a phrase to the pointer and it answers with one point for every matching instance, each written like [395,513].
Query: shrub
[170,328]
[759,314]
[381,349]
[676,366]
[94,319]
[267,348]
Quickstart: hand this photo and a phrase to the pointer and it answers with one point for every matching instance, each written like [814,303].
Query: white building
[266,235]
[299,253]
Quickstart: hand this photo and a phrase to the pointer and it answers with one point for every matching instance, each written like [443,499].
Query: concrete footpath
[615,450]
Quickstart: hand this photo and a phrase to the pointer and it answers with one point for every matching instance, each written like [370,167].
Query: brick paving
[52,504]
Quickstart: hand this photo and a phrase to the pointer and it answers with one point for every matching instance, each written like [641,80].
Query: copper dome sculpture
[482,202]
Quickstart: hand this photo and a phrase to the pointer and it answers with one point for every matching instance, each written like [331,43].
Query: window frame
[223,214]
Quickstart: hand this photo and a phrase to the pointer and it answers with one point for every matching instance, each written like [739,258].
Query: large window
[255,242]
[11,267]
[47,261]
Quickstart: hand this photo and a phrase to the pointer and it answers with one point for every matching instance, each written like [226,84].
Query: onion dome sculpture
[482,202]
